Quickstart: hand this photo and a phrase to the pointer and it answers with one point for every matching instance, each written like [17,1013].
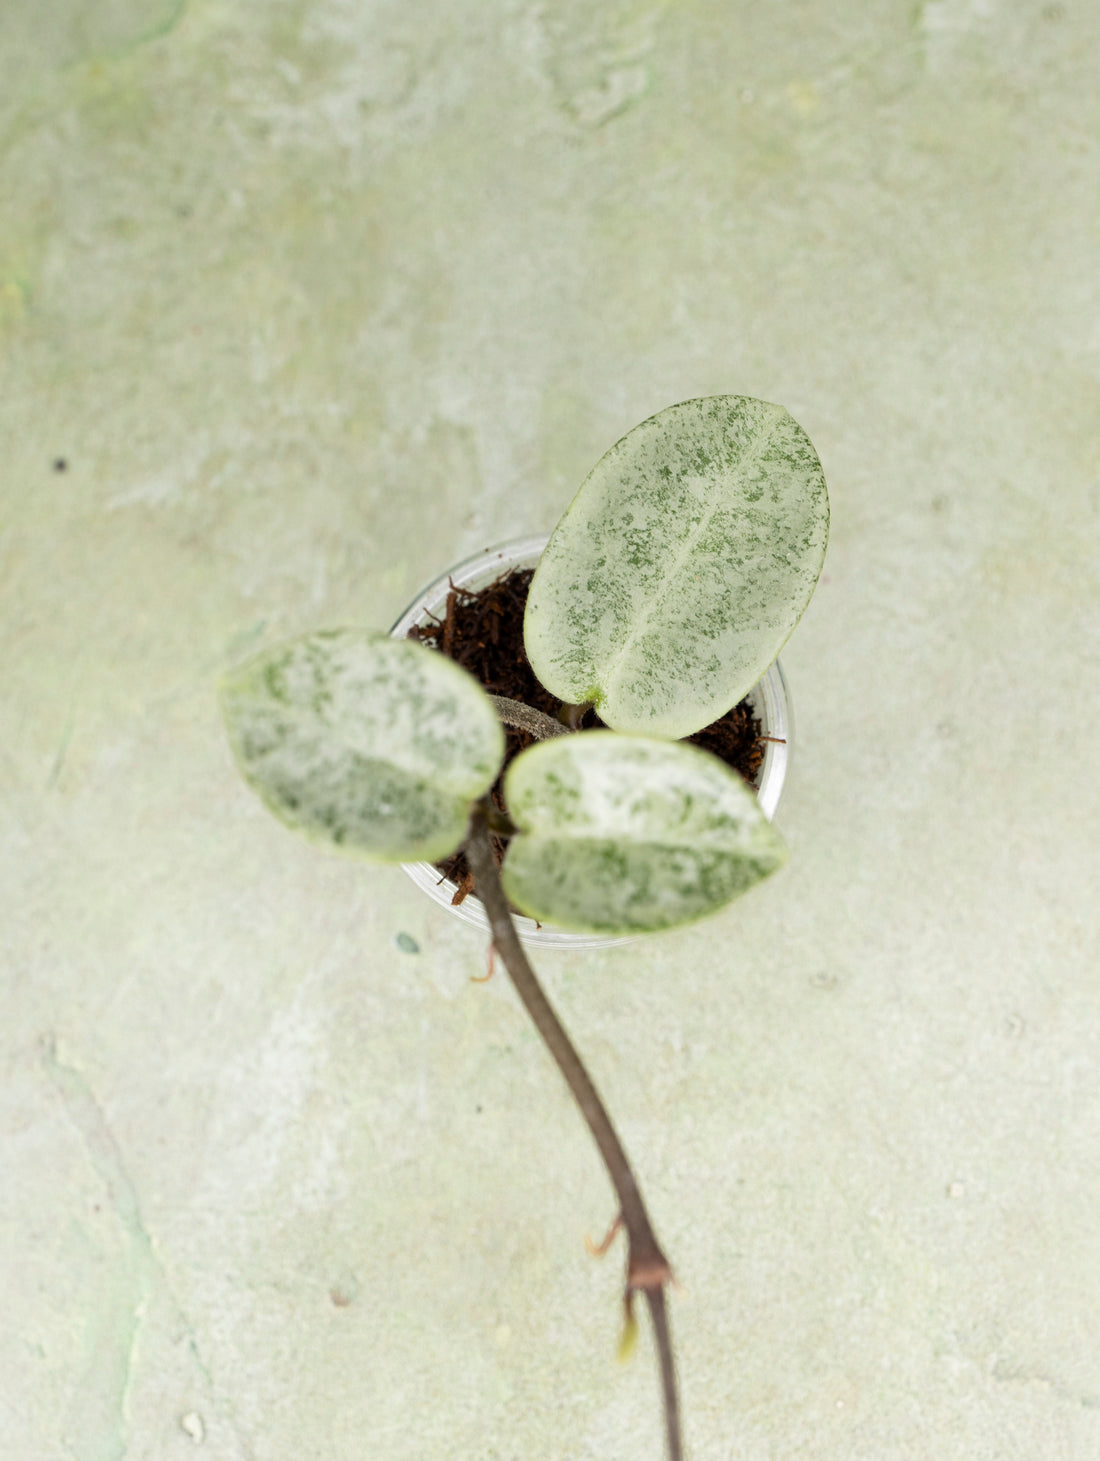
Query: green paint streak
[59,759]
[97,1418]
[120,50]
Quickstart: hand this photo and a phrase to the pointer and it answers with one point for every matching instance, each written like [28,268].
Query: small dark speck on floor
[406,943]
[60,464]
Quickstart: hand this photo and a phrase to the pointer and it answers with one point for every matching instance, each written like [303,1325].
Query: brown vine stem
[647,1268]
[525,717]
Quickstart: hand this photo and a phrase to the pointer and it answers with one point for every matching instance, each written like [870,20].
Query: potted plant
[474,612]
[663,595]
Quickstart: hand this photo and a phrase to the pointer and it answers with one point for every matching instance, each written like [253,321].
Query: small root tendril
[597,1250]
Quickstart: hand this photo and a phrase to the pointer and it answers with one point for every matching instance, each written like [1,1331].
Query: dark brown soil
[483,632]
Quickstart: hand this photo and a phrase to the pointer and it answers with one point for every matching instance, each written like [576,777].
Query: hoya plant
[668,587]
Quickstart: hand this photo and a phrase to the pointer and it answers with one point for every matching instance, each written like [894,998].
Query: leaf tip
[628,1338]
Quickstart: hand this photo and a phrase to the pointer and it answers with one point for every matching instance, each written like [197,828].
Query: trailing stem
[647,1268]
[525,717]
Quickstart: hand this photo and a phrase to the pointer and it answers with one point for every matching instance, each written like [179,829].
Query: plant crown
[668,587]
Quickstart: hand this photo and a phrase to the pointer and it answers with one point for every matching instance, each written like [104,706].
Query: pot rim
[770,697]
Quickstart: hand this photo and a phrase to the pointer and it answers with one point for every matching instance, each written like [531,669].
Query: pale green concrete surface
[314,299]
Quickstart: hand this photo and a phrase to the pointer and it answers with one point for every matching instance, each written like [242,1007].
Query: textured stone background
[314,299]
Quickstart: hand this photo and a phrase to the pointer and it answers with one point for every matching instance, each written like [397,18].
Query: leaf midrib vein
[736,476]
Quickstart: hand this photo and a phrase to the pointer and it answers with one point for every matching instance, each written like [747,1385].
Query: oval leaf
[629,835]
[681,566]
[372,746]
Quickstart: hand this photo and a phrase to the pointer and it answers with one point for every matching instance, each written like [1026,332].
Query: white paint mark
[149,492]
[422,1106]
[192,1425]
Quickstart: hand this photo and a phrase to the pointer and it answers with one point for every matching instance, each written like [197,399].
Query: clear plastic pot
[769,700]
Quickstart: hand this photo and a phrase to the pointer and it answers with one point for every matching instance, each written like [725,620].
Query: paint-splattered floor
[300,303]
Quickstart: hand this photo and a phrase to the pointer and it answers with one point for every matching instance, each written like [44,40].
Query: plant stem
[647,1267]
[571,716]
[658,1312]
[526,717]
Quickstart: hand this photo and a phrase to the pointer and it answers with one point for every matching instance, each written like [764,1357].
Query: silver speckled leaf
[626,834]
[374,747]
[681,566]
